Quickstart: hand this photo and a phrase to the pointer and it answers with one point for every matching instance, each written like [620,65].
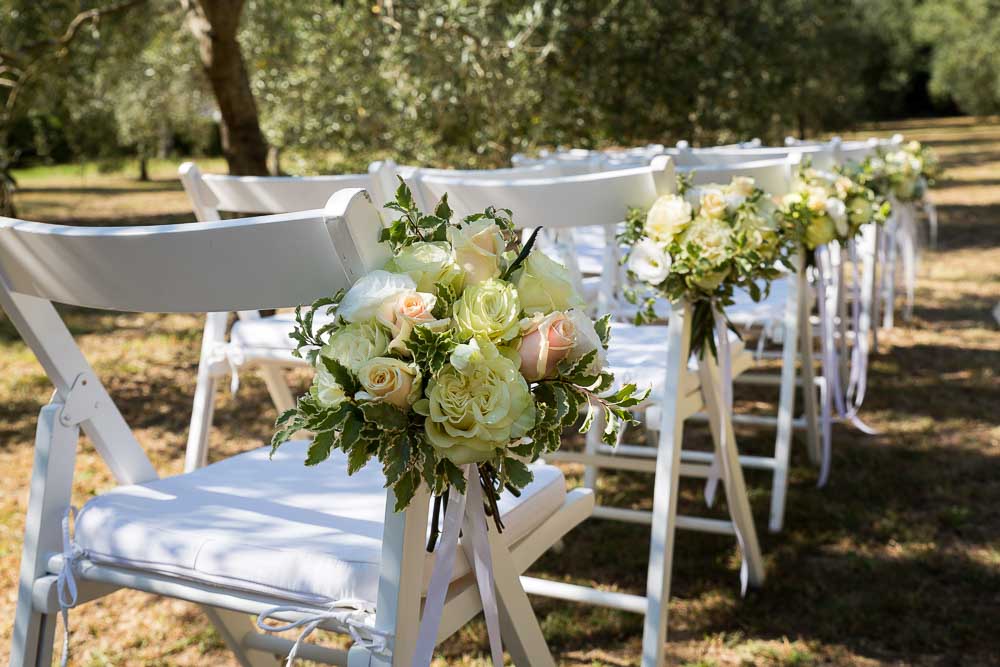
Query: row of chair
[246,536]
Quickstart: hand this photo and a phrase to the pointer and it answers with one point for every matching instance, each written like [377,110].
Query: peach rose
[404,311]
[545,341]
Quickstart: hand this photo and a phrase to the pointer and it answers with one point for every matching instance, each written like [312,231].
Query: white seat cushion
[272,527]
[266,332]
[639,354]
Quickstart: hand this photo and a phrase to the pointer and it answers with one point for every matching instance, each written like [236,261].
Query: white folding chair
[254,341]
[649,355]
[244,535]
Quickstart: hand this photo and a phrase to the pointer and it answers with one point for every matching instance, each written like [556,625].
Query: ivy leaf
[443,210]
[603,329]
[385,415]
[342,375]
[431,349]
[517,473]
[319,450]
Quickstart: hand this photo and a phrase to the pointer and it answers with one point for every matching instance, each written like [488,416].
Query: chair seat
[639,354]
[275,527]
[767,312]
[268,333]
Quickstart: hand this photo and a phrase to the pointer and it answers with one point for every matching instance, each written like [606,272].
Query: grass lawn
[896,562]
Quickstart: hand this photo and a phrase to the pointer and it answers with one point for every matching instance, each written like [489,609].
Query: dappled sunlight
[895,562]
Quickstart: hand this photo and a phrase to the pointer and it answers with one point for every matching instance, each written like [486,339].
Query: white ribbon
[461,509]
[831,367]
[66,580]
[356,617]
[232,354]
[726,410]
[726,368]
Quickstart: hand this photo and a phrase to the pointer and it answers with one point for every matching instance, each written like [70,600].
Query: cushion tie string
[232,354]
[66,581]
[356,617]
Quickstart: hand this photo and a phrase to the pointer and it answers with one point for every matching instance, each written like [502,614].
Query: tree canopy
[468,83]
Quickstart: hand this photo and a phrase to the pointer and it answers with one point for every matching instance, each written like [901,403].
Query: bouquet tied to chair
[454,365]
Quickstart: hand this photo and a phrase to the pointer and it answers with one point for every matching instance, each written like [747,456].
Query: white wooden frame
[211,195]
[603,198]
[164,269]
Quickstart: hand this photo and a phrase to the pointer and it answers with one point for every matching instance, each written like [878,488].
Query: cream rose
[713,203]
[545,285]
[712,237]
[816,199]
[478,246]
[843,186]
[429,265]
[667,217]
[648,262]
[390,380]
[742,186]
[545,341]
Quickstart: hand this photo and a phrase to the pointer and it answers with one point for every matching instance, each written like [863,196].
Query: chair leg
[889,276]
[786,411]
[51,486]
[232,626]
[591,444]
[214,334]
[808,375]
[665,491]
[721,425]
[277,387]
[522,636]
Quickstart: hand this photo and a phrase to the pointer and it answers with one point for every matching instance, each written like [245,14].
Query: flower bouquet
[903,174]
[825,207]
[466,348]
[701,245]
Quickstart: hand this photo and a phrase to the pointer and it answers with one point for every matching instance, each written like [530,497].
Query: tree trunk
[143,168]
[214,24]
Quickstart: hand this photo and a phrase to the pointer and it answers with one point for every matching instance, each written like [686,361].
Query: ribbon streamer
[725,392]
[470,512]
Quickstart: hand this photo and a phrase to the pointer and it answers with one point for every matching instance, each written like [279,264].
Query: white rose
[478,246]
[843,186]
[328,393]
[838,211]
[363,300]
[648,262]
[734,201]
[354,344]
[667,217]
[816,199]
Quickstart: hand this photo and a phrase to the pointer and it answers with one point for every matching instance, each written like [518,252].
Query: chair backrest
[773,176]
[213,194]
[822,156]
[558,202]
[273,261]
[264,262]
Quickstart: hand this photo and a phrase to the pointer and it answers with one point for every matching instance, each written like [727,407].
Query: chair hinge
[82,401]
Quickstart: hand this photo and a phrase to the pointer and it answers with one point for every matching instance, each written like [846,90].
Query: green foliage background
[470,82]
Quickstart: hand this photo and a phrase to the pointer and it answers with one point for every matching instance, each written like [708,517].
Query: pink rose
[403,312]
[545,341]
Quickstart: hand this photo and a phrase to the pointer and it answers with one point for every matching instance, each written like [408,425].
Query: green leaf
[343,376]
[521,256]
[384,415]
[517,473]
[319,450]
[603,329]
[442,210]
